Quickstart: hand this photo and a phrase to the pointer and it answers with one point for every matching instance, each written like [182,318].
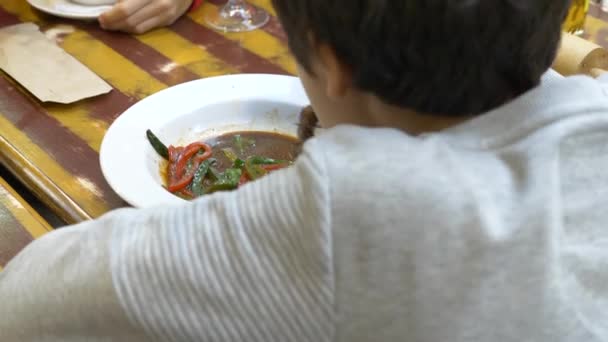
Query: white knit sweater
[496,230]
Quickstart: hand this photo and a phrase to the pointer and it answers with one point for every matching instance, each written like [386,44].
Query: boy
[452,198]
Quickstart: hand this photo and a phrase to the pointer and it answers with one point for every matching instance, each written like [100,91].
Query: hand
[139,16]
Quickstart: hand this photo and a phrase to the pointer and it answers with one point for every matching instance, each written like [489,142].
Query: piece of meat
[308,123]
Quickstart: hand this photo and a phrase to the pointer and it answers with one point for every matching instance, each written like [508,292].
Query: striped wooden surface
[19,223]
[53,149]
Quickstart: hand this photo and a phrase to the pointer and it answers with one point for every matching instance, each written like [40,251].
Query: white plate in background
[69,9]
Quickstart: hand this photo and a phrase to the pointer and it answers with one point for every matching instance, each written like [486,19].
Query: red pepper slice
[274,167]
[187,192]
[244,179]
[174,153]
[179,177]
[190,151]
[184,181]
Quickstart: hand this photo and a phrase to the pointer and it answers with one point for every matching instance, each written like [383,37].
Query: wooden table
[53,149]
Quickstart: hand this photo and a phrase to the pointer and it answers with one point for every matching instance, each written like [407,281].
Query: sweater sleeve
[59,288]
[249,265]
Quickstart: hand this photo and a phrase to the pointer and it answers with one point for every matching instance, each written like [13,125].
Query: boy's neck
[410,121]
[371,112]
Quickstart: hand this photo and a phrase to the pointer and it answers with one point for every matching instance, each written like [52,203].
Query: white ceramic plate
[69,9]
[190,112]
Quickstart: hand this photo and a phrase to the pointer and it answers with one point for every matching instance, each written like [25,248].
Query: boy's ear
[337,75]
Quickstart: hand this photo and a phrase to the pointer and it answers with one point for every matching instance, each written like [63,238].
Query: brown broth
[265,144]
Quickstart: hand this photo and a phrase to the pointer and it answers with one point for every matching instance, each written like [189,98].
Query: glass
[237,16]
[575,22]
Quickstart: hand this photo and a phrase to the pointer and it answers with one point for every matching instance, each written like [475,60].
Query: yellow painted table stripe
[181,51]
[111,65]
[76,118]
[259,42]
[26,215]
[70,185]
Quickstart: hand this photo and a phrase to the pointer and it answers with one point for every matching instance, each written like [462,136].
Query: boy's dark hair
[450,57]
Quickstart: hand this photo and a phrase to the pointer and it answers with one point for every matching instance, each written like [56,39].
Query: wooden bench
[19,223]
